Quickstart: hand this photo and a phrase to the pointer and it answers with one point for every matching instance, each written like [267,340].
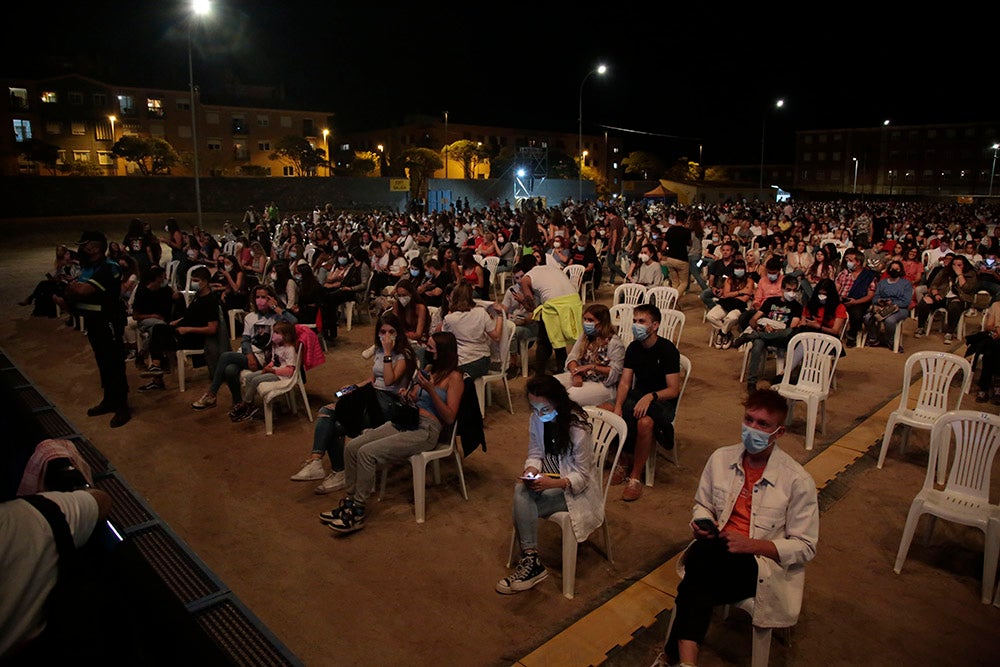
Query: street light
[114,167]
[600,69]
[994,170]
[854,190]
[326,147]
[198,8]
[763,125]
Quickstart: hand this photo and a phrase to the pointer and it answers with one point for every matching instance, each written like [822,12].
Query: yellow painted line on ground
[589,640]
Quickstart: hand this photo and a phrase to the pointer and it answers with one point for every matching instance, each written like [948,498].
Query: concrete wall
[52,196]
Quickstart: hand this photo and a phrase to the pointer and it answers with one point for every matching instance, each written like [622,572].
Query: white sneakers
[369,352]
[311,470]
[333,482]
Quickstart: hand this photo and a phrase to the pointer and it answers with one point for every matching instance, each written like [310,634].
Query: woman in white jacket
[559,476]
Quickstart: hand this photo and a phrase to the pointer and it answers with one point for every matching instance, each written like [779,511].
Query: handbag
[884,309]
[404,415]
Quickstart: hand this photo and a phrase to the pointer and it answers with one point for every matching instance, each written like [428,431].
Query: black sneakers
[529,571]
[350,517]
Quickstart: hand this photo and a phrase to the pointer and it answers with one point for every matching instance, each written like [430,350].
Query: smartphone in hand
[346,390]
[708,526]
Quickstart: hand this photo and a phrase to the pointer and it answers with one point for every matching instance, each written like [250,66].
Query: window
[950,133]
[22,130]
[821,156]
[821,175]
[263,145]
[835,156]
[823,138]
[49,97]
[183,104]
[18,98]
[79,129]
[807,157]
[211,118]
[286,121]
[908,176]
[126,103]
[215,144]
[308,128]
[928,174]
[805,174]
[105,158]
[53,127]
[263,120]
[240,151]
[157,130]
[838,137]
[970,132]
[184,131]
[75,98]
[100,100]
[154,106]
[81,156]
[239,124]
[60,156]
[288,170]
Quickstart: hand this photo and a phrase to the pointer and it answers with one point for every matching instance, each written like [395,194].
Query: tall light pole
[854,190]
[600,69]
[198,8]
[994,169]
[114,167]
[326,147]
[763,126]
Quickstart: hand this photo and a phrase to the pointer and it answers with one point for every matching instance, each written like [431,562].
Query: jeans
[329,434]
[708,298]
[696,270]
[761,341]
[529,506]
[254,380]
[890,323]
[476,369]
[385,444]
[679,274]
[228,372]
[613,268]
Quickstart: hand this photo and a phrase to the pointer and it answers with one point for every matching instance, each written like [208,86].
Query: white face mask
[643,257]
[403,301]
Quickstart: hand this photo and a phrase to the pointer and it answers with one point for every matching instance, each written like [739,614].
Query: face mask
[851,266]
[414,272]
[403,234]
[227,267]
[589,328]
[277,339]
[499,239]
[335,247]
[821,298]
[196,285]
[342,261]
[773,277]
[192,254]
[403,301]
[790,296]
[755,441]
[895,273]
[739,273]
[643,257]
[581,247]
[557,245]
[544,418]
[639,332]
[990,261]
[261,303]
[293,254]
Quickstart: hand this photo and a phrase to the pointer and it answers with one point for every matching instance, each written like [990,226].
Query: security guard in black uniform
[96,294]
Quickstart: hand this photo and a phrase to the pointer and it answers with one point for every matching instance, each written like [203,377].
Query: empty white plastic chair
[663,297]
[938,370]
[490,264]
[621,317]
[965,499]
[606,427]
[483,391]
[631,294]
[418,463]
[819,353]
[671,325]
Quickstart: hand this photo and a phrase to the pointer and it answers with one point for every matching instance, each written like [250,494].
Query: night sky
[677,76]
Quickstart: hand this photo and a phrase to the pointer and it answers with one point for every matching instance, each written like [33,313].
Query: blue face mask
[754,440]
[544,417]
[589,328]
[639,332]
[414,272]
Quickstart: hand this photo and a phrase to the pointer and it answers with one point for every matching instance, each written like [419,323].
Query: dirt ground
[409,594]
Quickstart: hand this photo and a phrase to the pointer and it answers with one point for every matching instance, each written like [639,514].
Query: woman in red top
[823,313]
[472,272]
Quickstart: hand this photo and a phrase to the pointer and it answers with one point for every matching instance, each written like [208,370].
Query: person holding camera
[890,306]
[755,526]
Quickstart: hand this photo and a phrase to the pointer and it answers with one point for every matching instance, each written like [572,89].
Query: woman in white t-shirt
[473,328]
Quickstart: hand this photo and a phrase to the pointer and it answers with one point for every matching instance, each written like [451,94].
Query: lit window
[76,98]
[18,98]
[154,106]
[239,124]
[60,156]
[49,97]
[22,130]
[105,158]
[126,103]
[79,129]
[81,156]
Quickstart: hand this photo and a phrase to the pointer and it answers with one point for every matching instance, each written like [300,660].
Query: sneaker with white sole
[948,339]
[526,575]
[154,371]
[311,470]
[350,520]
[207,400]
[332,482]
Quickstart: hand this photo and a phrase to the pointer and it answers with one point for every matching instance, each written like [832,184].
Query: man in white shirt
[755,524]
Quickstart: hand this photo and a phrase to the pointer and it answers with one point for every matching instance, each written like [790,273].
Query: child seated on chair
[281,365]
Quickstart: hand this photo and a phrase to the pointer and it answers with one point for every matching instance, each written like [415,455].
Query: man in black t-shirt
[773,325]
[647,397]
[583,253]
[717,274]
[153,304]
[436,283]
[678,238]
[199,322]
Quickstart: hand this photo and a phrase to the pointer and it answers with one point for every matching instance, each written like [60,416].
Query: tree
[642,163]
[422,162]
[716,174]
[298,152]
[469,154]
[41,153]
[364,163]
[681,170]
[150,155]
[597,178]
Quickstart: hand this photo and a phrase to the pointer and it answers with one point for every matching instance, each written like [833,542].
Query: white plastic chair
[761,647]
[522,351]
[651,460]
[418,463]
[287,387]
[187,291]
[820,354]
[663,297]
[348,306]
[235,314]
[621,317]
[575,274]
[171,274]
[631,294]
[490,265]
[965,498]
[943,312]
[671,325]
[606,427]
[938,370]
[483,390]
[897,337]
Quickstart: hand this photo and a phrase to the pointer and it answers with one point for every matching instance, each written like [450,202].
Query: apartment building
[84,117]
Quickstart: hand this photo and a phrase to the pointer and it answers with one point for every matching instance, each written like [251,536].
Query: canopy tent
[660,192]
